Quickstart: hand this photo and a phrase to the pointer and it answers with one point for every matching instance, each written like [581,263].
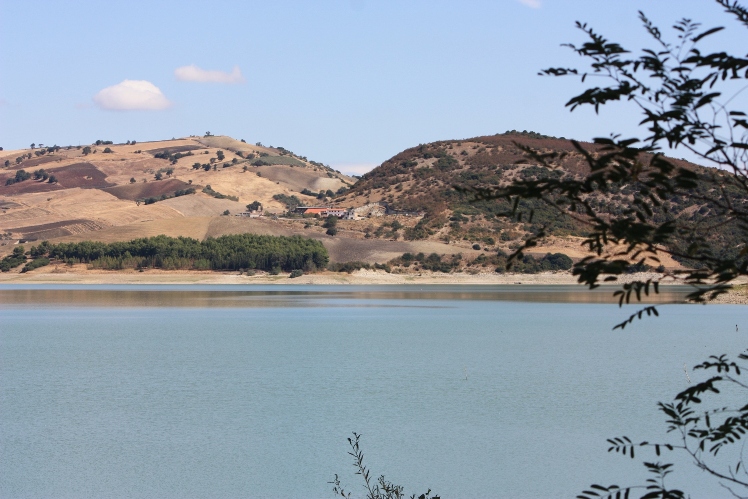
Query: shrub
[218,195]
[296,273]
[291,202]
[35,264]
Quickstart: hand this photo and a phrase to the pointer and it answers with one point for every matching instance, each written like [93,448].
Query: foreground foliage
[680,93]
[381,489]
[232,252]
[701,433]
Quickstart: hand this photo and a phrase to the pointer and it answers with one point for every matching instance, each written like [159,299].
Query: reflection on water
[306,296]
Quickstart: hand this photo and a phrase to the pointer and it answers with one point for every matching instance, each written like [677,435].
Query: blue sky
[345,82]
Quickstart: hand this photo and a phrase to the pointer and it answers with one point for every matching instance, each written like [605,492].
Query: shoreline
[79,274]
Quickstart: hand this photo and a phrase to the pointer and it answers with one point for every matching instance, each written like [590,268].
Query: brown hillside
[141,190]
[94,195]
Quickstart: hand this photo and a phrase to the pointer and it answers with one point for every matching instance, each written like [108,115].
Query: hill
[408,205]
[181,187]
[58,191]
[424,178]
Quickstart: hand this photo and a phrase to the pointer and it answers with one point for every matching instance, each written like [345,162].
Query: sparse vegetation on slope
[441,179]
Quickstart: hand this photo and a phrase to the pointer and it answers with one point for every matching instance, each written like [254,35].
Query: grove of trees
[231,252]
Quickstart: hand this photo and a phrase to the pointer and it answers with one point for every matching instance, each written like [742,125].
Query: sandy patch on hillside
[298,178]
[247,186]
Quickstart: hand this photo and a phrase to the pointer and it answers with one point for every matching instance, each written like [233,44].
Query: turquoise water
[252,391]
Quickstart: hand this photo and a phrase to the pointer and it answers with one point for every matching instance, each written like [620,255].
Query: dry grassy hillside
[110,191]
[185,187]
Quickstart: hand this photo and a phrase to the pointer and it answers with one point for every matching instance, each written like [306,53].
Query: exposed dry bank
[80,274]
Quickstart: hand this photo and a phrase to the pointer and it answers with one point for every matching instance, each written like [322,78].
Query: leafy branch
[381,489]
[702,433]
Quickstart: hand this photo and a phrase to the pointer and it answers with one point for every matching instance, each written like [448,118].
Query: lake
[252,391]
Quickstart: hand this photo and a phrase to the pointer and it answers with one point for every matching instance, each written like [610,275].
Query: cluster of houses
[322,211]
[366,211]
[326,211]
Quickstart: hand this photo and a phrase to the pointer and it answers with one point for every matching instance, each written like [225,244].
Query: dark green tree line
[231,252]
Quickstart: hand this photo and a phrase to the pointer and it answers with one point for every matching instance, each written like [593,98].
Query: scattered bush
[35,264]
[13,260]
[21,176]
[218,195]
[291,202]
[177,193]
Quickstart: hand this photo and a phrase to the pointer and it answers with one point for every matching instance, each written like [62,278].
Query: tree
[254,206]
[679,92]
[331,224]
[86,150]
[701,433]
[132,180]
[687,101]
[159,176]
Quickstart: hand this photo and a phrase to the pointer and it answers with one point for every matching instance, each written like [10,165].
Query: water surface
[251,392]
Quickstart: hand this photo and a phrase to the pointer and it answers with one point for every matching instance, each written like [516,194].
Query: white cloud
[533,4]
[194,73]
[132,95]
